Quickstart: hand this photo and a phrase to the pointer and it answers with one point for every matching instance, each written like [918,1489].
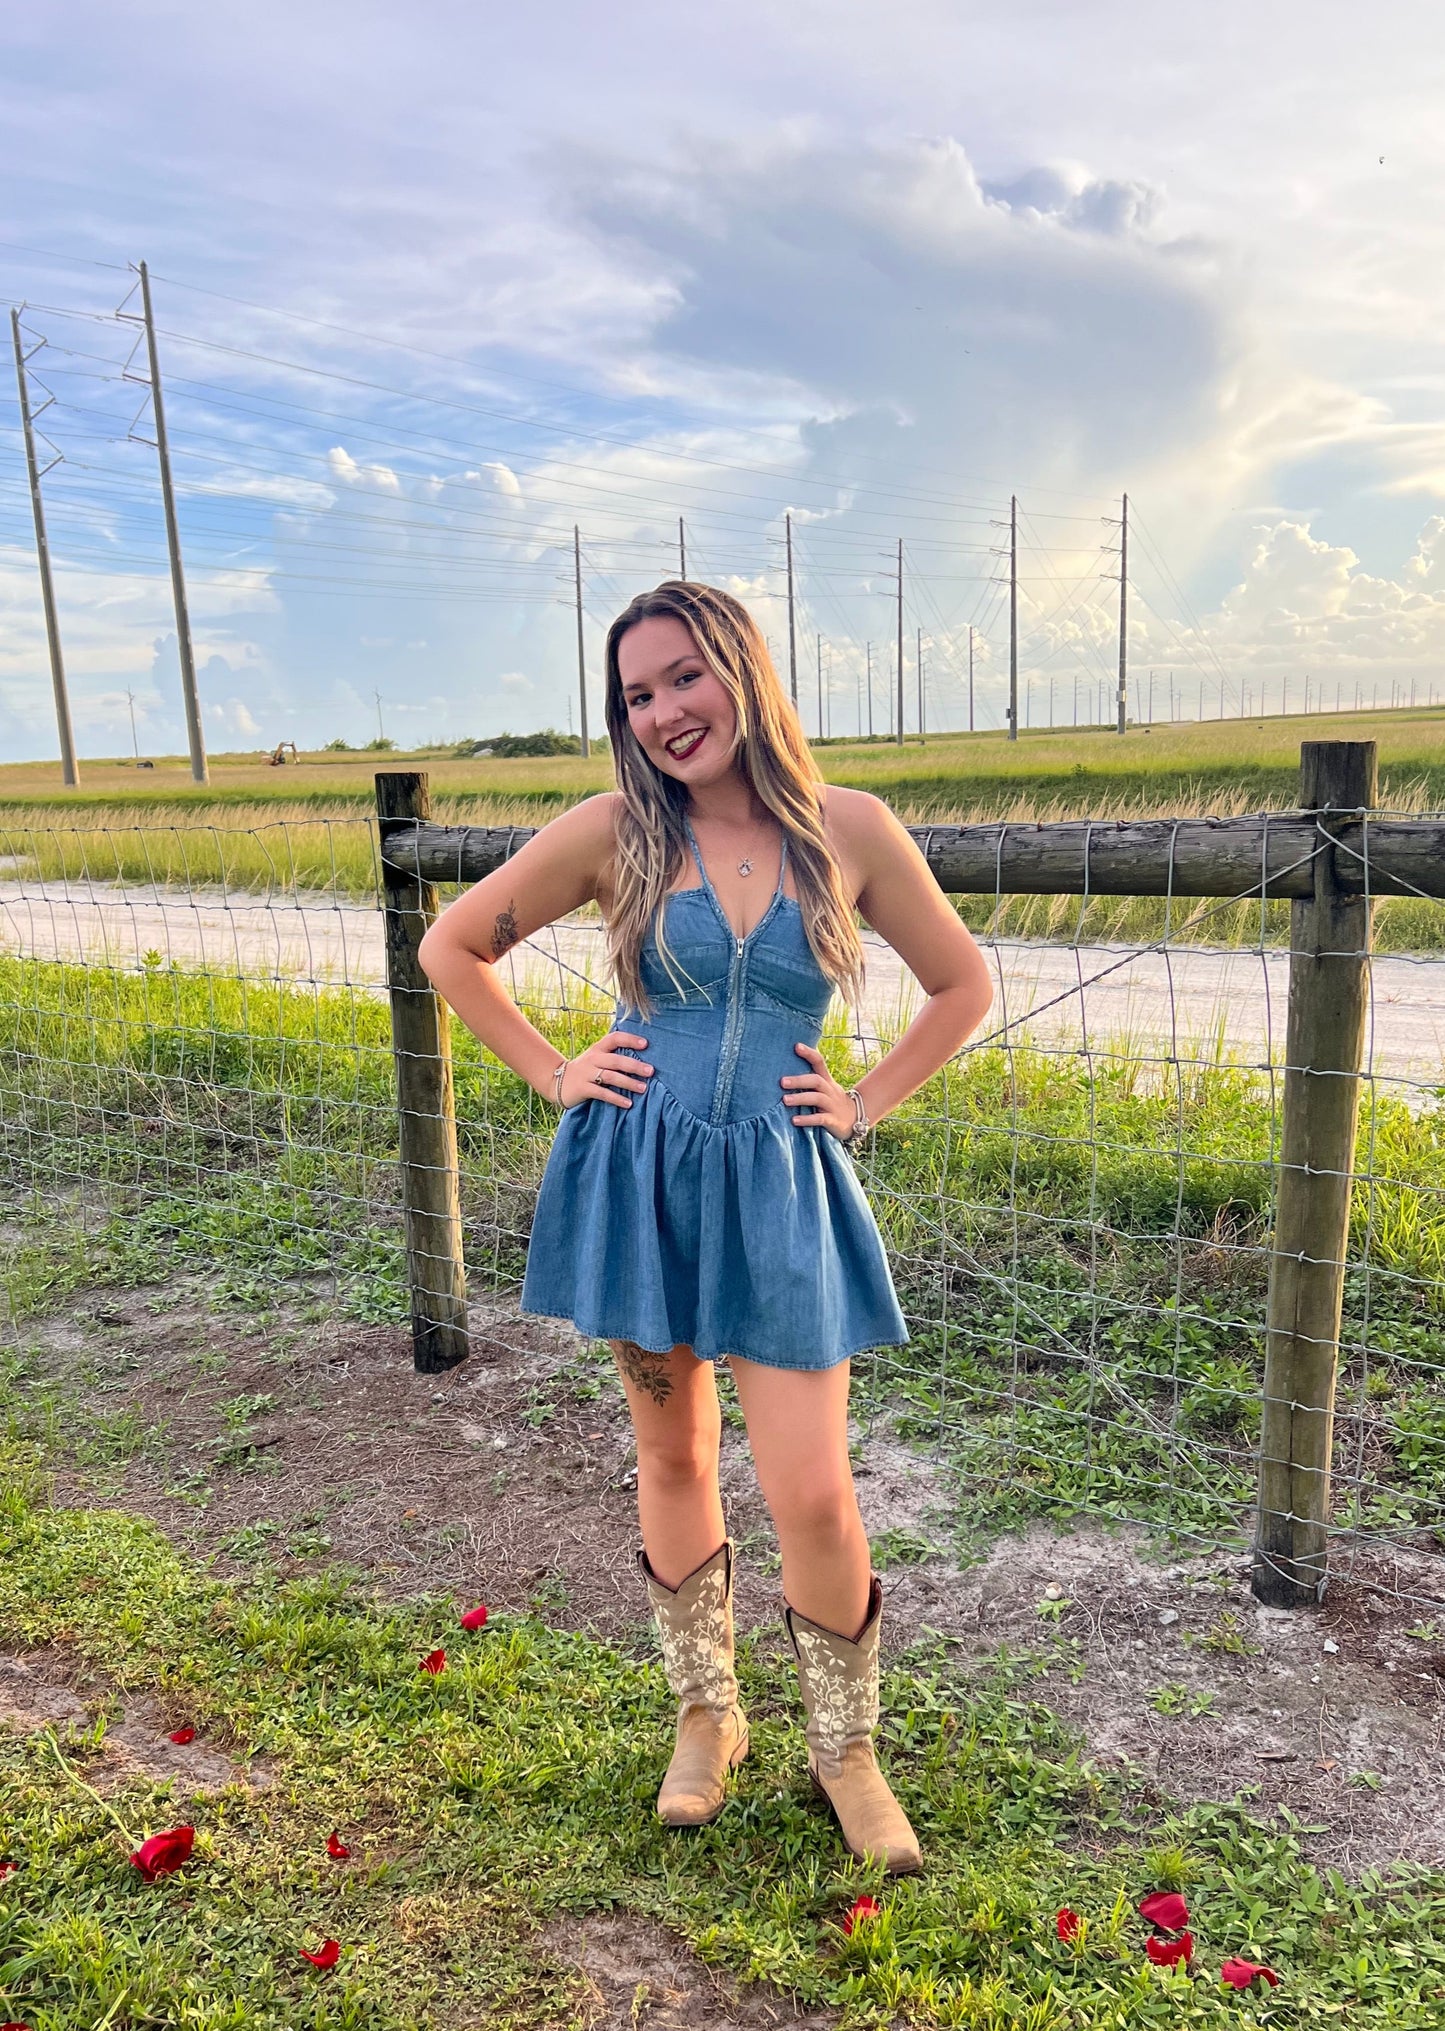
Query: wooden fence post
[421,1042]
[1328,993]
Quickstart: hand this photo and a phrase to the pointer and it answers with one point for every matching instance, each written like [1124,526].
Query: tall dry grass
[329,849]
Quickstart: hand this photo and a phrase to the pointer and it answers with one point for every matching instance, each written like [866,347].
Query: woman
[699,1205]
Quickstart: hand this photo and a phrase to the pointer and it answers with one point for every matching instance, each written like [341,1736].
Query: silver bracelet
[861,1123]
[558,1070]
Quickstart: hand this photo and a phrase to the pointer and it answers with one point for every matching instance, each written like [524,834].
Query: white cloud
[346,469]
[232,716]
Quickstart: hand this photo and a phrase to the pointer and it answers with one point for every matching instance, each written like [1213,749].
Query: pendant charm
[745,867]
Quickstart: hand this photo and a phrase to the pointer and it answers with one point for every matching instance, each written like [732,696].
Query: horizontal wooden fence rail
[1268,854]
[1330,858]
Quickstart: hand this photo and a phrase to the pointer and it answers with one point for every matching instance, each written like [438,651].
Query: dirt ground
[512,1480]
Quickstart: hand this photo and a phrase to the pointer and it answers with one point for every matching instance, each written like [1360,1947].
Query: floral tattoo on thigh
[645,1371]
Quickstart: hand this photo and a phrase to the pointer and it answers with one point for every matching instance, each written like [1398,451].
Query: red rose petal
[329,1955]
[435,1661]
[14,2027]
[164,1853]
[184,1735]
[475,1618]
[337,1848]
[1165,1909]
[7,1869]
[1168,1953]
[1240,1974]
[862,1908]
[1067,1925]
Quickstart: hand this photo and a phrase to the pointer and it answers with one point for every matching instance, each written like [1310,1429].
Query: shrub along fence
[1331,858]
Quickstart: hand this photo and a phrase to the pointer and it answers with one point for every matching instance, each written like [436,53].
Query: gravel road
[1189,1001]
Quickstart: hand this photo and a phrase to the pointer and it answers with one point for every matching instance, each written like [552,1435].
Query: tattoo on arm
[505,933]
[645,1371]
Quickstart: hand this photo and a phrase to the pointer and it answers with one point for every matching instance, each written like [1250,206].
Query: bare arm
[903,903]
[555,873]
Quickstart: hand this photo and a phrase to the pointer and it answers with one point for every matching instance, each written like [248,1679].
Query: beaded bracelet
[861,1123]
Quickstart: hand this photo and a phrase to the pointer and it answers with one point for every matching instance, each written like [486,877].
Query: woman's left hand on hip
[820,1100]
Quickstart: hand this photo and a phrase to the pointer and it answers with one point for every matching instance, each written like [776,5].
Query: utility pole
[870,691]
[1013,617]
[195,733]
[792,629]
[900,641]
[1150,720]
[681,549]
[1123,699]
[69,774]
[581,645]
[970,676]
[918,659]
[820,687]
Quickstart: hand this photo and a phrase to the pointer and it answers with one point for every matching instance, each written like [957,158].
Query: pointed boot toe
[695,1625]
[839,1680]
[709,1747]
[874,1826]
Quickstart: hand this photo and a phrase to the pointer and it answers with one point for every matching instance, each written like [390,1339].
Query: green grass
[1083,1259]
[308,829]
[1256,760]
[516,1789]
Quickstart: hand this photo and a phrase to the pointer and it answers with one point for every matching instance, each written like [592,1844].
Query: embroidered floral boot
[840,1693]
[695,1622]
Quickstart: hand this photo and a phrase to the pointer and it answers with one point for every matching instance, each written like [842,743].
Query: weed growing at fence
[1080,1251]
[516,1788]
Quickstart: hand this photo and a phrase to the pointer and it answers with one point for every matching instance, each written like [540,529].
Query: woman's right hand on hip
[601,1072]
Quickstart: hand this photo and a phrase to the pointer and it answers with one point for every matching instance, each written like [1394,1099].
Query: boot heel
[740,1752]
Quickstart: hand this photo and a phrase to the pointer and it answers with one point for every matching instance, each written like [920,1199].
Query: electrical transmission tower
[195,733]
[69,773]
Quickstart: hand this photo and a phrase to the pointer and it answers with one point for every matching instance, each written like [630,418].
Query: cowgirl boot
[695,1622]
[840,1694]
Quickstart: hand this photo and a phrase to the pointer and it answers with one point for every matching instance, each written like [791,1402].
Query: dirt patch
[1173,1669]
[295,1439]
[640,1979]
[35,1695]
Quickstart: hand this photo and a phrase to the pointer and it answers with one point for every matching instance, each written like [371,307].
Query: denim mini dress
[701,1216]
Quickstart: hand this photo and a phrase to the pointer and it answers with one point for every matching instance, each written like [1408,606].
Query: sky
[436,286]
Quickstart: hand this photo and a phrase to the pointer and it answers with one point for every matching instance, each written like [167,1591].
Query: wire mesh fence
[199,1081]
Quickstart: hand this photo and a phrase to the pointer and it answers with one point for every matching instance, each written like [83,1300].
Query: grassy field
[1082,1255]
[949,775]
[1084,1266]
[515,1789]
[306,827]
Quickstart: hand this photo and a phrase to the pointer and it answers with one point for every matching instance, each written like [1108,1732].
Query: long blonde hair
[771,754]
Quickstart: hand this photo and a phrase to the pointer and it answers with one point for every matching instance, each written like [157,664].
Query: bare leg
[675,1415]
[798,1429]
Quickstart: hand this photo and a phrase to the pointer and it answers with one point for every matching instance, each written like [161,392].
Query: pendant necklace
[745,865]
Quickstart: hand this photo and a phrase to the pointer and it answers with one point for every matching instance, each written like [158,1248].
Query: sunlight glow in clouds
[677,271]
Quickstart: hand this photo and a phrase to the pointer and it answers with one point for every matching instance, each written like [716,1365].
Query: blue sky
[437,284]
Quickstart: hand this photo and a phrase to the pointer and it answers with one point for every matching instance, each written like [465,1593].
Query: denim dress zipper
[732,1034]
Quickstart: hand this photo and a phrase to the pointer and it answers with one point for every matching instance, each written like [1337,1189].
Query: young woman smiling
[700,1204]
